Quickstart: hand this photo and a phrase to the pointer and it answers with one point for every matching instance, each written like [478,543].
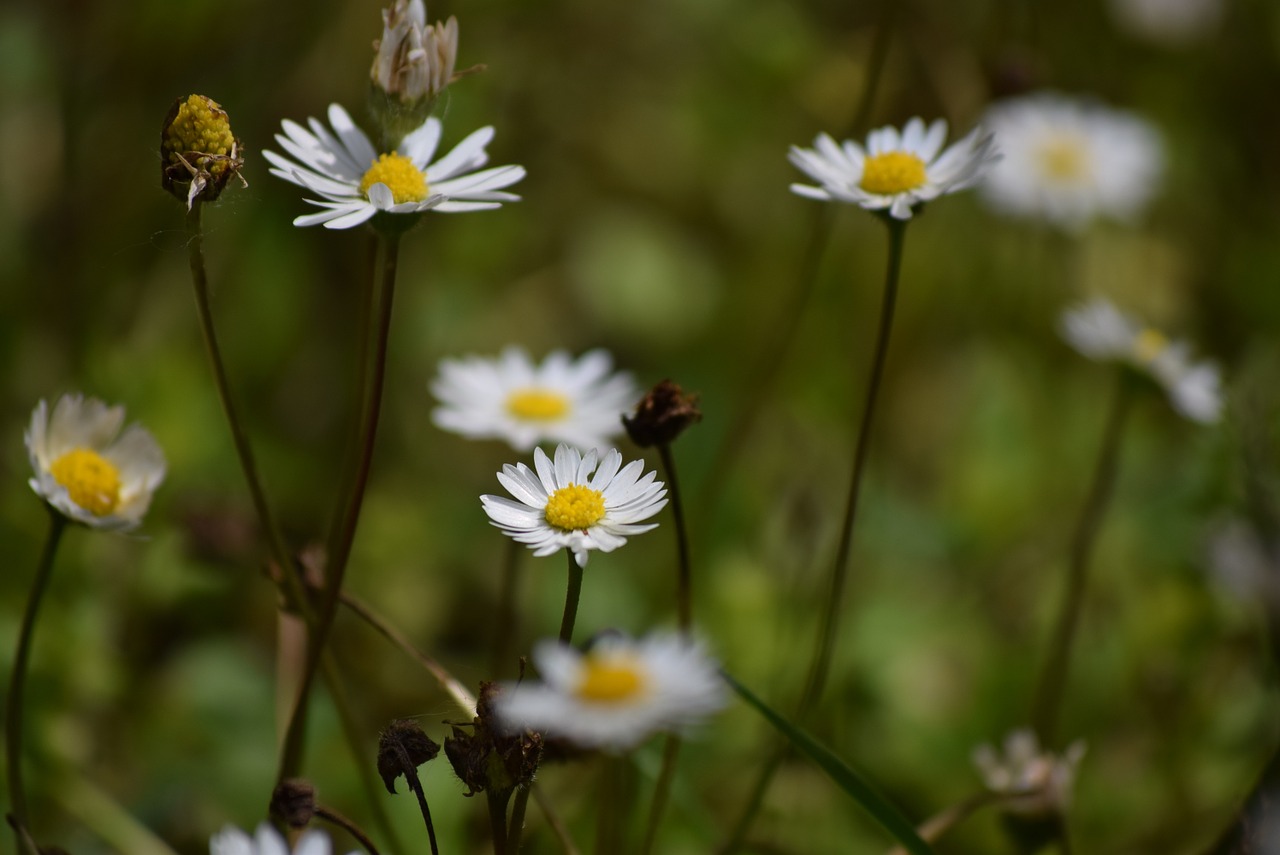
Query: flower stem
[1048,699]
[515,828]
[348,826]
[554,820]
[684,586]
[571,595]
[820,665]
[661,792]
[498,819]
[507,616]
[18,683]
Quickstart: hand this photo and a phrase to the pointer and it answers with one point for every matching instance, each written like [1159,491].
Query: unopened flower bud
[198,153]
[662,415]
[402,748]
[294,802]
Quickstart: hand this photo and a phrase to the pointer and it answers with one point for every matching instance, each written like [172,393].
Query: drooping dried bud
[402,748]
[662,415]
[293,802]
[485,759]
[198,153]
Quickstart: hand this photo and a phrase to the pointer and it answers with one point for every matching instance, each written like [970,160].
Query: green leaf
[850,781]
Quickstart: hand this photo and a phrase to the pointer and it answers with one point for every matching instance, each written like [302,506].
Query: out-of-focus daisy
[894,171]
[267,841]
[1068,161]
[1040,780]
[355,181]
[579,402]
[616,694]
[87,469]
[1102,332]
[1169,22]
[563,505]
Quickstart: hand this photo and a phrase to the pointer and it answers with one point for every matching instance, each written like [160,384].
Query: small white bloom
[266,841]
[579,402]
[1169,22]
[357,182]
[87,469]
[616,694]
[1069,161]
[564,506]
[1102,332]
[897,171]
[1042,779]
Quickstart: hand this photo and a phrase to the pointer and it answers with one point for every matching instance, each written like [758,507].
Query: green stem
[684,585]
[515,831]
[554,821]
[498,819]
[572,592]
[1048,699]
[661,792]
[18,817]
[820,665]
[505,633]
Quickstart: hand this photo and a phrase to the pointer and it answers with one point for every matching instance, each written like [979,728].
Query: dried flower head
[662,415]
[402,748]
[486,759]
[198,153]
[293,801]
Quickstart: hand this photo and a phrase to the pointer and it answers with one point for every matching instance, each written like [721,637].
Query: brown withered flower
[486,760]
[198,153]
[402,748]
[662,415]
[293,802]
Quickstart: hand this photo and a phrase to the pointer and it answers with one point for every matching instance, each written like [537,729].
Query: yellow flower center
[200,125]
[610,680]
[92,481]
[892,172]
[406,182]
[1063,159]
[575,508]
[1148,345]
[537,405]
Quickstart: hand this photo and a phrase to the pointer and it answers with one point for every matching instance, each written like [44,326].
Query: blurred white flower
[1246,563]
[579,402]
[1040,781]
[357,182]
[564,506]
[1102,332]
[894,171]
[1069,161]
[617,694]
[266,841]
[87,469]
[1168,22]
[414,60]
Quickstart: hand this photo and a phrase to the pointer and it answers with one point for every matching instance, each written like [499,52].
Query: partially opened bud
[198,152]
[413,65]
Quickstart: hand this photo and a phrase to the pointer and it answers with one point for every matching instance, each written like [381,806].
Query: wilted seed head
[484,759]
[293,802]
[662,415]
[402,748]
[198,153]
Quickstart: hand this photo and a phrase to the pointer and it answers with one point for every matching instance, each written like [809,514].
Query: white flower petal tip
[89,470]
[579,401]
[267,841]
[355,182]
[617,694]
[1039,782]
[1100,331]
[1071,161]
[576,502]
[894,172]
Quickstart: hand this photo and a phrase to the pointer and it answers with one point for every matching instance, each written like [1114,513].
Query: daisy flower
[355,181]
[1069,161]
[562,505]
[1043,779]
[87,469]
[579,402]
[1102,332]
[266,841]
[895,170]
[616,694]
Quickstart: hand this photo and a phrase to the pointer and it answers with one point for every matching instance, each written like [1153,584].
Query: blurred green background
[656,222]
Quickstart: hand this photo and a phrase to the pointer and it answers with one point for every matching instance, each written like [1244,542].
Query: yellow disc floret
[92,481]
[537,405]
[610,679]
[1149,344]
[575,508]
[200,125]
[892,172]
[1064,159]
[406,182]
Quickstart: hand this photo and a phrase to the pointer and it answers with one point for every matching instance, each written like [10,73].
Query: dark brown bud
[662,415]
[293,802]
[402,748]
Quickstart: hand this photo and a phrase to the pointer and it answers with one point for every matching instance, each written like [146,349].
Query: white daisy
[357,182]
[616,694]
[897,171]
[87,469]
[1068,161]
[1043,779]
[1169,22]
[266,841]
[1102,332]
[564,506]
[579,402]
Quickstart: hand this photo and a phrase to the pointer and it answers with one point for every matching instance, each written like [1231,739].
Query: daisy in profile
[355,181]
[616,694]
[89,471]
[573,504]
[1102,332]
[1041,780]
[895,171]
[1070,161]
[266,841]
[575,401]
